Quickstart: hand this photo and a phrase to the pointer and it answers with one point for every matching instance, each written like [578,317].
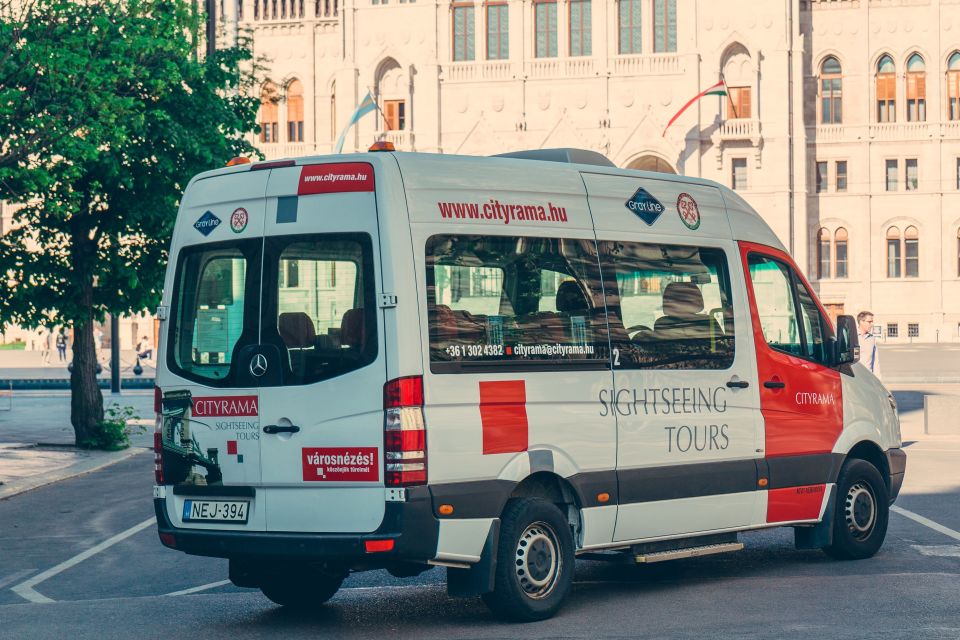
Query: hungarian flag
[366,105]
[719,89]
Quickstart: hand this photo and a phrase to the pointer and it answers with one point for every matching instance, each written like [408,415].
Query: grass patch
[13,346]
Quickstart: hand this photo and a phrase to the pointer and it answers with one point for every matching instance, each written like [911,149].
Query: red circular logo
[239,220]
[688,211]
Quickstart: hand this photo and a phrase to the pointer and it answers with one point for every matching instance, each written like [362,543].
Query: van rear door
[322,417]
[211,446]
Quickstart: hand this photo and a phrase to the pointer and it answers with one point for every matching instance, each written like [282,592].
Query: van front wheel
[863,507]
[300,593]
[535,561]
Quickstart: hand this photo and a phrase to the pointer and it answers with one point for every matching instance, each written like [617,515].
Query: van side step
[691,552]
[648,552]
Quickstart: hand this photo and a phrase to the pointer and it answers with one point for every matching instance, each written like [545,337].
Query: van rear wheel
[862,511]
[302,593]
[535,561]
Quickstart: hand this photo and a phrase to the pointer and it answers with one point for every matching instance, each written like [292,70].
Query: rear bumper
[897,462]
[411,525]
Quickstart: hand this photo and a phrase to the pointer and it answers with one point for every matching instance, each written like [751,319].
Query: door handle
[774,384]
[275,428]
[738,384]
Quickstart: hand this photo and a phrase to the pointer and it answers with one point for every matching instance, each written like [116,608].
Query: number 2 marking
[616,357]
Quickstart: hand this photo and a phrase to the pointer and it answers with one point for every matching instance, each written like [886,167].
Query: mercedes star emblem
[258,365]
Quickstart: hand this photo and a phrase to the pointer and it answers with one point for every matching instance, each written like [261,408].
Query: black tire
[861,514]
[302,594]
[535,561]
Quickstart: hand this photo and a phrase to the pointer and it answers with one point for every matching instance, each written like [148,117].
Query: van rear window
[216,304]
[504,300]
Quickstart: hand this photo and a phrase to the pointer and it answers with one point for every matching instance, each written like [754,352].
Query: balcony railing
[279,10]
[275,150]
[648,65]
[473,71]
[402,140]
[739,129]
[901,131]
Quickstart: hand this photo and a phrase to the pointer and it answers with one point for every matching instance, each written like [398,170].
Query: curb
[34,384]
[95,463]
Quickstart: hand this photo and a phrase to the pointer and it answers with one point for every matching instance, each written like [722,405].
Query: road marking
[940,551]
[26,589]
[203,587]
[926,522]
[13,577]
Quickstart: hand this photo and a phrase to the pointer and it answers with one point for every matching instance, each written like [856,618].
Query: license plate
[215,511]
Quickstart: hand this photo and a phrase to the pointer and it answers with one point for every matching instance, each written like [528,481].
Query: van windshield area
[496,299]
[315,306]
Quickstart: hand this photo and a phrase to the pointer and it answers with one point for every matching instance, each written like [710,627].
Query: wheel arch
[871,452]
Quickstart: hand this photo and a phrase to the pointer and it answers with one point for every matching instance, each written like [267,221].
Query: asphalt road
[910,589]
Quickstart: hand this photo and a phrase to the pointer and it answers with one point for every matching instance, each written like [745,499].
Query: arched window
[295,111]
[893,252]
[916,89]
[886,90]
[840,251]
[911,252]
[739,76]
[953,86]
[823,254]
[830,86]
[269,113]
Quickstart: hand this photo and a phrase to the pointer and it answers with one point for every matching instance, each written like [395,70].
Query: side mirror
[847,343]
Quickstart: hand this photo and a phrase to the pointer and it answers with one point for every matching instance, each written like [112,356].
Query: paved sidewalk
[28,365]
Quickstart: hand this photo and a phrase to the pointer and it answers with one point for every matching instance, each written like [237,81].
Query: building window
[739,173]
[830,85]
[886,90]
[821,177]
[498,40]
[394,115]
[664,26]
[953,87]
[913,330]
[823,254]
[840,249]
[913,179]
[463,24]
[911,252]
[916,89]
[630,26]
[893,252]
[893,167]
[738,102]
[893,330]
[545,24]
[295,111]
[581,40]
[269,113]
[841,174]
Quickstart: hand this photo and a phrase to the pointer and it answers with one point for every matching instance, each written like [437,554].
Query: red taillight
[377,546]
[403,392]
[404,433]
[157,400]
[168,540]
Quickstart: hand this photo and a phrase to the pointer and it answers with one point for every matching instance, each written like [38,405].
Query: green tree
[106,112]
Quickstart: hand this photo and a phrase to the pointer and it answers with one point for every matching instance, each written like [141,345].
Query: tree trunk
[86,401]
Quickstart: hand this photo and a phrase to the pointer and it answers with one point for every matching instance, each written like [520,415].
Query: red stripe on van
[795,503]
[343,177]
[503,414]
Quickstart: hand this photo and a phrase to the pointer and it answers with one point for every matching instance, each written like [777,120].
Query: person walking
[869,355]
[62,346]
[46,345]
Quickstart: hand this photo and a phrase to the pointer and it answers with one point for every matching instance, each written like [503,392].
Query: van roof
[419,169]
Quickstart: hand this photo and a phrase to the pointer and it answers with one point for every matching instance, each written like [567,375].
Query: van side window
[669,306]
[521,302]
[789,316]
[215,306]
[324,316]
